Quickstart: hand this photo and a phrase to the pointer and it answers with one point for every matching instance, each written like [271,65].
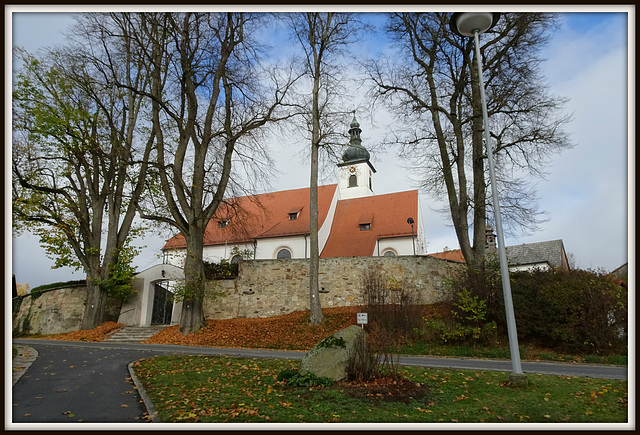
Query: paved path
[63,381]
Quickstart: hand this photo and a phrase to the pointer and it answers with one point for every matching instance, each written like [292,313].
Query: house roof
[551,252]
[262,216]
[454,255]
[386,214]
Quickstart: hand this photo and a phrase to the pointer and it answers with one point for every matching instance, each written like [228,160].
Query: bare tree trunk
[314,260]
[95,306]
[315,307]
[192,318]
[479,183]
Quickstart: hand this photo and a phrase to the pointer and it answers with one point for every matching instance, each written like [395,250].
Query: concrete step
[134,334]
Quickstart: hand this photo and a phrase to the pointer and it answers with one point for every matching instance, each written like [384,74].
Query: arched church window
[283,254]
[236,259]
[389,253]
[353,181]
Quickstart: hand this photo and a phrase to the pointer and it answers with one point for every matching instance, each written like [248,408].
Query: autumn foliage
[95,334]
[290,331]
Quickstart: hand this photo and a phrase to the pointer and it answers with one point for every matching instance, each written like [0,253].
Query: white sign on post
[362,319]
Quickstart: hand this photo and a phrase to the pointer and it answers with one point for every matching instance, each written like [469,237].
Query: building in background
[527,256]
[352,220]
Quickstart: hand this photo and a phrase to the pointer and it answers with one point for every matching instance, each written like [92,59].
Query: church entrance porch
[152,303]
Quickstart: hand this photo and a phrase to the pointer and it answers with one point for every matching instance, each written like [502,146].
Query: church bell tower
[356,171]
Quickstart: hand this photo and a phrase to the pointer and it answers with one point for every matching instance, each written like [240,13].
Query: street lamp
[413,240]
[472,24]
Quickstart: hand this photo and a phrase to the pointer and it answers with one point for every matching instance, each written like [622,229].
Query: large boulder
[329,358]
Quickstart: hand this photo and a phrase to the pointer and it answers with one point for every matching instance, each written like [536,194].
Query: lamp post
[472,24]
[413,240]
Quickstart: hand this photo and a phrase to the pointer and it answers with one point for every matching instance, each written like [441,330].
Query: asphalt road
[90,382]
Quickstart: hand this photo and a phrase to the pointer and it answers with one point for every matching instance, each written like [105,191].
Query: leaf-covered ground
[96,334]
[289,331]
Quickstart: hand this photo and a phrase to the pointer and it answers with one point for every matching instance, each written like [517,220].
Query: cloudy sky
[585,197]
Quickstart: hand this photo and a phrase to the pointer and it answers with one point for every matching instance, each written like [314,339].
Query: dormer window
[223,223]
[294,213]
[365,222]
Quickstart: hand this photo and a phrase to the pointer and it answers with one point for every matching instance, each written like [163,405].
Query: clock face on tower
[352,169]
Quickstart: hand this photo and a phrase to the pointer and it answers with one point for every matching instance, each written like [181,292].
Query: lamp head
[467,23]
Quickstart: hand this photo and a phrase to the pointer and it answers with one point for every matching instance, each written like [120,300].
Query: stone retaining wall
[264,288]
[49,312]
[267,288]
[55,311]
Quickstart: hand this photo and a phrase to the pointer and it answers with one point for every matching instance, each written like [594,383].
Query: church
[352,220]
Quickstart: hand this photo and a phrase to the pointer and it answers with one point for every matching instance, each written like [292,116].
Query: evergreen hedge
[574,311]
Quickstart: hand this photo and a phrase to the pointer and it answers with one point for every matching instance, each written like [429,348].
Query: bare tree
[209,101]
[322,36]
[432,84]
[79,160]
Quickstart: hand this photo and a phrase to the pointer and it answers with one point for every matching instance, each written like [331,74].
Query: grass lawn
[225,389]
[293,332]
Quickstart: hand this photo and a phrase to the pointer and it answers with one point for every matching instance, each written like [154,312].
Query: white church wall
[268,248]
[214,254]
[325,229]
[174,256]
[398,245]
[211,254]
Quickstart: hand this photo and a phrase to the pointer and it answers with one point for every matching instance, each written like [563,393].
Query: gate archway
[139,310]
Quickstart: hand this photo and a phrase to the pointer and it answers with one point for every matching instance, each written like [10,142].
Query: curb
[151,410]
[23,360]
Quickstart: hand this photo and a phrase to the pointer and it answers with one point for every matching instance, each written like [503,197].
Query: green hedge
[222,270]
[573,311]
[75,283]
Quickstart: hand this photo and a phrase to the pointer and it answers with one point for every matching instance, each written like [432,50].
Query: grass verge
[225,389]
[293,332]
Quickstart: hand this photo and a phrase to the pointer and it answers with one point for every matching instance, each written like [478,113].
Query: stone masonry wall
[49,312]
[267,288]
[264,288]
[55,311]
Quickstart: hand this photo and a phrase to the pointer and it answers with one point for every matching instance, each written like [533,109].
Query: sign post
[362,319]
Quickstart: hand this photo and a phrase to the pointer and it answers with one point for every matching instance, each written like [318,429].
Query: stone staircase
[134,334]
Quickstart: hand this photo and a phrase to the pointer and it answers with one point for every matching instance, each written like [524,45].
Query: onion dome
[355,152]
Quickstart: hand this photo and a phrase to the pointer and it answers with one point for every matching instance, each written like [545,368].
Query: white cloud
[586,193]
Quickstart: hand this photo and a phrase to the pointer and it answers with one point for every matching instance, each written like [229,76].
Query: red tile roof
[455,255]
[267,215]
[260,216]
[387,215]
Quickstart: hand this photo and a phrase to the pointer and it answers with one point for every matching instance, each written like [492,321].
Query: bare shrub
[383,342]
[373,359]
[394,317]
[392,304]
[362,365]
